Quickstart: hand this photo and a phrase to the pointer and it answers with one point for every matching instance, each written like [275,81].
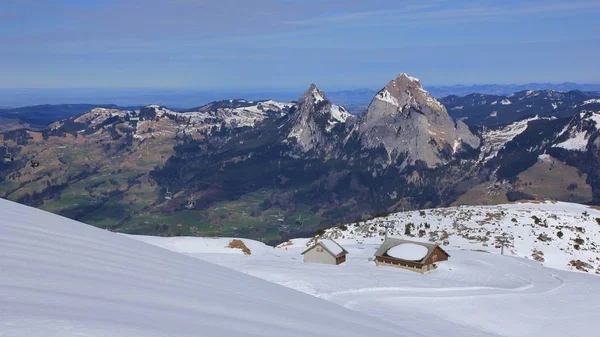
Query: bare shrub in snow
[239,244]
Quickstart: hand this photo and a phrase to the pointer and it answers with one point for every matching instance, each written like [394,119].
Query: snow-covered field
[473,294]
[62,278]
[558,234]
[59,277]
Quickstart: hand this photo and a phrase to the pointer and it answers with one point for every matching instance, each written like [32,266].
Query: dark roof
[392,242]
[322,244]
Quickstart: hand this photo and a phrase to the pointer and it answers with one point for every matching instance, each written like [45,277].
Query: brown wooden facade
[436,255]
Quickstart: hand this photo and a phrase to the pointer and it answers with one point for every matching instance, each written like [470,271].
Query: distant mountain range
[40,116]
[180,99]
[491,110]
[273,170]
[505,89]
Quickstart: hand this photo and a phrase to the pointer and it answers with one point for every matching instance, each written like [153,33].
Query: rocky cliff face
[316,122]
[407,122]
[309,163]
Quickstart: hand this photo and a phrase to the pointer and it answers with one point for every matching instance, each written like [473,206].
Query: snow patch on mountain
[243,116]
[99,115]
[579,131]
[339,113]
[546,158]
[592,101]
[494,140]
[577,142]
[505,102]
[385,96]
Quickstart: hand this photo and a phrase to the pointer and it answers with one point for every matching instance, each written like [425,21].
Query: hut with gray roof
[412,255]
[325,251]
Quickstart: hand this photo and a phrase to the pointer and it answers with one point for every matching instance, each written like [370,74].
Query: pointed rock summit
[312,96]
[410,124]
[316,120]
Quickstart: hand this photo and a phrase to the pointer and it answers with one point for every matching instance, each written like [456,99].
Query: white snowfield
[557,234]
[59,277]
[474,293]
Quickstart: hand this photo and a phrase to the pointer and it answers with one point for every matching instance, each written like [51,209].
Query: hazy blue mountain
[505,89]
[40,116]
[184,98]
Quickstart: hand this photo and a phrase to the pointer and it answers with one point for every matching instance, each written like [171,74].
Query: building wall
[380,261]
[319,255]
[437,256]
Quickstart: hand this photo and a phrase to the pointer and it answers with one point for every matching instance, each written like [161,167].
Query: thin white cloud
[417,13]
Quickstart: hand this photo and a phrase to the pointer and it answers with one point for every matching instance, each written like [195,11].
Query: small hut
[325,251]
[412,255]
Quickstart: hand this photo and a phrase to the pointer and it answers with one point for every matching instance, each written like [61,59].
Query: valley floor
[472,294]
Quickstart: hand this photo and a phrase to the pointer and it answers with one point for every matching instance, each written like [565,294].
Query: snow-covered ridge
[63,278]
[578,134]
[495,140]
[559,235]
[592,101]
[237,117]
[100,115]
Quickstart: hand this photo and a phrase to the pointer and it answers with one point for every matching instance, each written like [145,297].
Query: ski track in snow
[62,278]
[472,294]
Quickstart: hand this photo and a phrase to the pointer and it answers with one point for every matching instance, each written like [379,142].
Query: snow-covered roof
[405,249]
[408,251]
[331,246]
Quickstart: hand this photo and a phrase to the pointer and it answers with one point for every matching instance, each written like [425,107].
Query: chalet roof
[393,242]
[330,246]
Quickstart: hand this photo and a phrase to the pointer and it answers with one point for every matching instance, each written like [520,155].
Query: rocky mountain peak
[408,122]
[403,80]
[315,119]
[313,95]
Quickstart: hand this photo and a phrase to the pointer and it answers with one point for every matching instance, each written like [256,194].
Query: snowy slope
[59,277]
[494,140]
[564,236]
[202,245]
[579,132]
[471,294]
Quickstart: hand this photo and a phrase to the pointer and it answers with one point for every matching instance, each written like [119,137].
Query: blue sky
[287,44]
